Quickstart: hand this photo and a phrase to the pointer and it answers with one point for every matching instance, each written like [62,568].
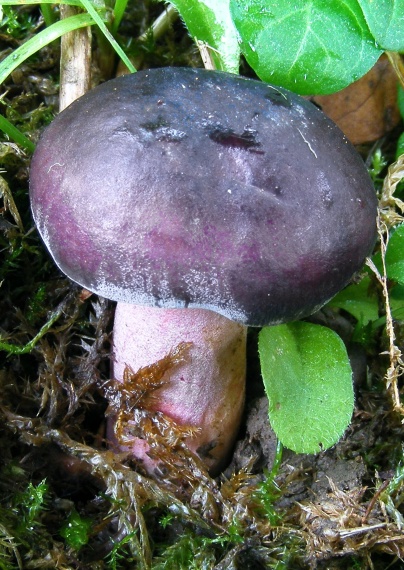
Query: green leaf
[308,380]
[308,46]
[359,300]
[209,21]
[395,255]
[385,19]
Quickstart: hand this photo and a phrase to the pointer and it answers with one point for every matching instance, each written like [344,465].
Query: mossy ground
[67,502]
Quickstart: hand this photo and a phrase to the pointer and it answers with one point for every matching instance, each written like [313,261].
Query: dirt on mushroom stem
[204,390]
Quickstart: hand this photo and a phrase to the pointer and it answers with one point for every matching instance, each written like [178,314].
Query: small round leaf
[308,381]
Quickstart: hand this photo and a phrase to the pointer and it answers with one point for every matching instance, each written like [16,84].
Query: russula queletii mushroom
[202,202]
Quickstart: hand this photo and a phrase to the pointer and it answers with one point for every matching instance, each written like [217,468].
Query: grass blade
[119,10]
[97,19]
[48,14]
[40,40]
[16,135]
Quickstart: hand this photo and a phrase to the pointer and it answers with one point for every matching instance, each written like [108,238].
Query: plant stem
[75,61]
[162,23]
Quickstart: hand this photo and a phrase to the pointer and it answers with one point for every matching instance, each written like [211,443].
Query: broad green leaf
[209,21]
[395,255]
[308,46]
[359,300]
[385,19]
[308,380]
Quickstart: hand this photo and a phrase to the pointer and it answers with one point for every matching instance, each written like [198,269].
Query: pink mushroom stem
[205,391]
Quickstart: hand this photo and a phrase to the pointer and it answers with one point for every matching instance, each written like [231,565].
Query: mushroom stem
[206,390]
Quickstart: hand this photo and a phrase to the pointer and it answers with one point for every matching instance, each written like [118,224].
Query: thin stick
[396,363]
[162,23]
[206,54]
[75,61]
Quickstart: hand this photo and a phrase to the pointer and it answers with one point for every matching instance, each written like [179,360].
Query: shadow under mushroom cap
[182,187]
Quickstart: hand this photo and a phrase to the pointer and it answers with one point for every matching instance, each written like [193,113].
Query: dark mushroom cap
[190,188]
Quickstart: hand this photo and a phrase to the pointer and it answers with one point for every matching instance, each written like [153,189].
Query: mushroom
[202,202]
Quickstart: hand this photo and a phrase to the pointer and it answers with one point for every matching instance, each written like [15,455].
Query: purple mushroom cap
[191,188]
